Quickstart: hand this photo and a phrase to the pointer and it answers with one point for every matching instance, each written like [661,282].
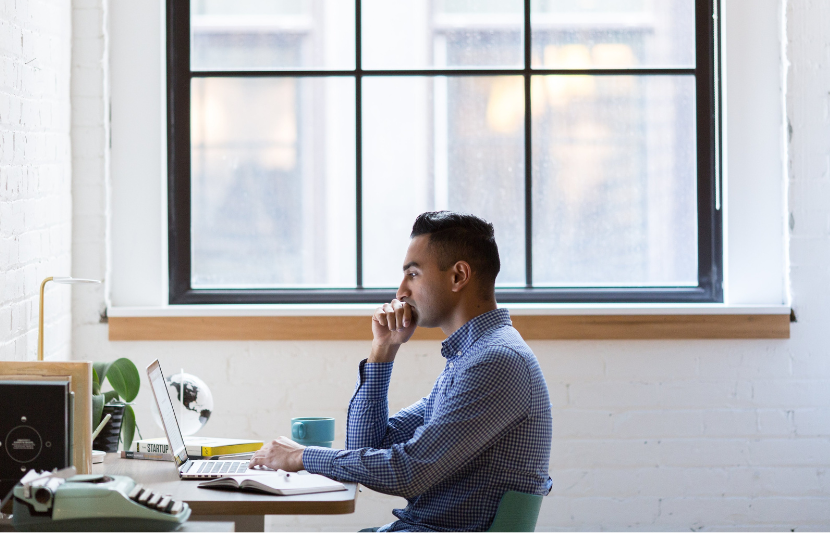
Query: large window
[305,136]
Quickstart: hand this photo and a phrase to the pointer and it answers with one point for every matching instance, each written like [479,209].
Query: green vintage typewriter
[50,502]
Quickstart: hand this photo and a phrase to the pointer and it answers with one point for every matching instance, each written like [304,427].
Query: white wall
[753,141]
[90,156]
[649,435]
[35,176]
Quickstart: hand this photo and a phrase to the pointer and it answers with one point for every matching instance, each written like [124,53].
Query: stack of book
[197,448]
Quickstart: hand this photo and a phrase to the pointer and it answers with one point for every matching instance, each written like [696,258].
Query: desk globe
[192,407]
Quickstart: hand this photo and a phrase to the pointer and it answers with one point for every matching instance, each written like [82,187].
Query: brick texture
[35,176]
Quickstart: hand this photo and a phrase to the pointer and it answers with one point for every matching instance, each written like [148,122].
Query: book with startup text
[199,446]
[280,483]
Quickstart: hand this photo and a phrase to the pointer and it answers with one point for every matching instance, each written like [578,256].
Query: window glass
[442,34]
[582,34]
[272,34]
[614,181]
[273,182]
[441,142]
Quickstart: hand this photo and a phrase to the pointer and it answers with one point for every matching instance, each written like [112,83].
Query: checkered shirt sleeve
[478,410]
[368,423]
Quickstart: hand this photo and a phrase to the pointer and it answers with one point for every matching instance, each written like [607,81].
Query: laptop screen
[168,415]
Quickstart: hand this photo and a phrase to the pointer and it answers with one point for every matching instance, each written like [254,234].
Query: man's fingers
[259,456]
[399,317]
[396,315]
[403,314]
[389,310]
[398,308]
[407,315]
[380,316]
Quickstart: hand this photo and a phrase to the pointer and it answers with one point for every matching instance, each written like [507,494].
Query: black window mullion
[178,150]
[528,150]
[645,71]
[358,80]
[710,239]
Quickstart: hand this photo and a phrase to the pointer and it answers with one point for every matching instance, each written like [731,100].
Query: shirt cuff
[374,380]
[318,460]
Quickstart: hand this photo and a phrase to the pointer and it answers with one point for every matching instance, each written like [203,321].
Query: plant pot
[107,440]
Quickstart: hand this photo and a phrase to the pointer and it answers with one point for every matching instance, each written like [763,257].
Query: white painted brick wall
[648,435]
[90,155]
[35,176]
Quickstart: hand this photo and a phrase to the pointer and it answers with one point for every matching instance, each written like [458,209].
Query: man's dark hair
[461,237]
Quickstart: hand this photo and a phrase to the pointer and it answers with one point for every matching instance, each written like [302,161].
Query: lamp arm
[40,321]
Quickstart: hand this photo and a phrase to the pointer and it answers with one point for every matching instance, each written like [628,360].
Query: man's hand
[392,325]
[280,454]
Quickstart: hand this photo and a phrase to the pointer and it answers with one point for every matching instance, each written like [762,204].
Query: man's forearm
[368,413]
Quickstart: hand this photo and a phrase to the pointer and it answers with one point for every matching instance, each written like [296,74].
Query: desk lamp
[40,318]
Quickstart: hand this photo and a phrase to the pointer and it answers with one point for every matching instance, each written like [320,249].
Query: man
[484,429]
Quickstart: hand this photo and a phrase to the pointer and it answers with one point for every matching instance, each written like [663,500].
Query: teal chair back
[518,511]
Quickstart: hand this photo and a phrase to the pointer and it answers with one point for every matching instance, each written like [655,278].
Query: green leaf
[124,378]
[100,369]
[97,409]
[96,383]
[128,427]
[110,395]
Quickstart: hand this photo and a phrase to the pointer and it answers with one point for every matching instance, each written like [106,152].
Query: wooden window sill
[224,323]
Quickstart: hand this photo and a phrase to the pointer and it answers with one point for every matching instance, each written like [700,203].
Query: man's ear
[461,275]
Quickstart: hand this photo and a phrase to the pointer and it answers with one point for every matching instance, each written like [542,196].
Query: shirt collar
[466,335]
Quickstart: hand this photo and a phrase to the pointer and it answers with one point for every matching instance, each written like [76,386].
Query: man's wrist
[319,460]
[383,354]
[298,459]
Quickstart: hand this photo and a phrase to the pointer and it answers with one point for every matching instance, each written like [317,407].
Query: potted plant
[125,380]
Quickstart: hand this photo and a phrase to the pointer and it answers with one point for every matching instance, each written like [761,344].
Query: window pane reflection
[441,143]
[583,34]
[273,182]
[614,181]
[272,34]
[442,34]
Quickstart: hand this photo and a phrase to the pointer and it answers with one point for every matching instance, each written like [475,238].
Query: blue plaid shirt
[483,430]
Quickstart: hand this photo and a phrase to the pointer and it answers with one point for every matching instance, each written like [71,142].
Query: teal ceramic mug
[311,431]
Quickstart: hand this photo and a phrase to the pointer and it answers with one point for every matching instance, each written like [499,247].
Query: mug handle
[298,430]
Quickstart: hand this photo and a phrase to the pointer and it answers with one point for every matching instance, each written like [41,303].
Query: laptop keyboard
[223,468]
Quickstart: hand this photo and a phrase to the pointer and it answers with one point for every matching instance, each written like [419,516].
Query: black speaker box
[35,428]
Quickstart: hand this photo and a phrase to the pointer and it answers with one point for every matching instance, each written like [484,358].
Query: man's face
[425,287]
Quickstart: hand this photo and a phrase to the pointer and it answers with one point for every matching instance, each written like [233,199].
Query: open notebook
[280,482]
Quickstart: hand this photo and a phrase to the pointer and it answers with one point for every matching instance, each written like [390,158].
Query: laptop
[188,468]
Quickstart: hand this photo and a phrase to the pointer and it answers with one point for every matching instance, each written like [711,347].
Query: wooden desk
[187,527]
[246,509]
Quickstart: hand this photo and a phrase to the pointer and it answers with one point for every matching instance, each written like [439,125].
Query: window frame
[709,164]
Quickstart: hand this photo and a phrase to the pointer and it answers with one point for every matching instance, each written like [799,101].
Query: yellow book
[200,446]
[218,447]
